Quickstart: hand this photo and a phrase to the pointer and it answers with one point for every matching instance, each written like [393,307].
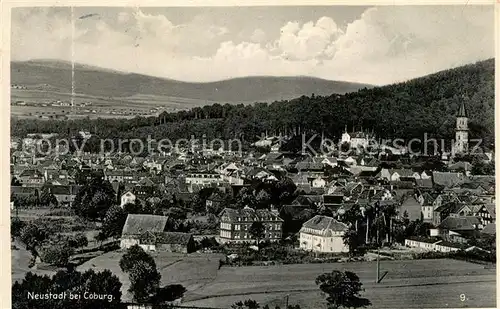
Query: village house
[330,161]
[65,195]
[448,179]
[127,198]
[427,207]
[460,229]
[136,224]
[23,192]
[486,213]
[432,244]
[148,231]
[323,234]
[203,180]
[31,178]
[318,182]
[398,174]
[235,224]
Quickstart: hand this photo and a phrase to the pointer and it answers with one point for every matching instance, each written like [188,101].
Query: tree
[80,240]
[71,282]
[133,208]
[262,199]
[257,231]
[144,278]
[168,293]
[15,182]
[132,256]
[113,222]
[285,189]
[245,198]
[342,289]
[144,281]
[34,284]
[57,254]
[47,198]
[32,236]
[16,226]
[247,304]
[352,240]
[482,168]
[94,198]
[176,213]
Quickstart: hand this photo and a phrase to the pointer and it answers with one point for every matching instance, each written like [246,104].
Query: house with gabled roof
[323,234]
[460,229]
[448,179]
[148,231]
[426,202]
[137,224]
[127,198]
[489,229]
[331,161]
[31,178]
[486,213]
[424,184]
[167,242]
[235,224]
[65,195]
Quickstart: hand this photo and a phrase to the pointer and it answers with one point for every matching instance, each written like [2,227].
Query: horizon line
[104,69]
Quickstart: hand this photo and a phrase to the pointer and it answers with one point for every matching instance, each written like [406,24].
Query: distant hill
[96,81]
[405,110]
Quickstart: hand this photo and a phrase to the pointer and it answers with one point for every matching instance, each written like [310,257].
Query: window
[237,227]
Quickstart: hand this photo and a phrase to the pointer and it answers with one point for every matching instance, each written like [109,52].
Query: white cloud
[309,41]
[258,36]
[384,45]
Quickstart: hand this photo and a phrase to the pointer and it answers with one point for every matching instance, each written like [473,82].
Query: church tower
[462,131]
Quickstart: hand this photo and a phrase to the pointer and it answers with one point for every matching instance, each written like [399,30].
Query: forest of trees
[404,110]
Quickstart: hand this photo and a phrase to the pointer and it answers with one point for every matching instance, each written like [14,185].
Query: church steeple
[461,111]
[462,131]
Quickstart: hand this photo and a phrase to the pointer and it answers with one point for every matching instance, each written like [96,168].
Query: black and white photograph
[251,156]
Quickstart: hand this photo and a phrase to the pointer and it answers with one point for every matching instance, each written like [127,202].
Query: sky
[375,45]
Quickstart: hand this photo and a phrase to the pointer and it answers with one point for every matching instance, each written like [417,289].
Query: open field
[408,284]
[39,104]
[193,270]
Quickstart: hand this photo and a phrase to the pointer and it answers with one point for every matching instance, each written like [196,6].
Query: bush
[168,293]
[60,212]
[475,255]
[16,226]
[78,241]
[57,254]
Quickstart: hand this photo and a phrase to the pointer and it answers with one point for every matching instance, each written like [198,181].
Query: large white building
[203,180]
[356,139]
[323,234]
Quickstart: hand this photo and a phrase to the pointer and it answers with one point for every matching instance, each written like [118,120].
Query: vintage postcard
[232,155]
